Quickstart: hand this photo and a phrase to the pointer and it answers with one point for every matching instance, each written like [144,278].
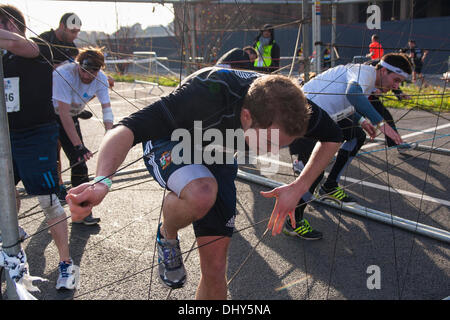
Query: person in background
[375,48]
[268,50]
[253,55]
[326,58]
[417,57]
[74,84]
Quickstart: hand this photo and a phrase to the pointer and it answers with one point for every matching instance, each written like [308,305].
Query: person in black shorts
[417,57]
[33,129]
[201,191]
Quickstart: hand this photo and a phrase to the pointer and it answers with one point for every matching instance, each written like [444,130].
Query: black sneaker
[336,194]
[88,221]
[85,115]
[303,230]
[62,193]
[171,268]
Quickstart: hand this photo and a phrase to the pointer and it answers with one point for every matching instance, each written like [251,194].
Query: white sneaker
[69,276]
[407,146]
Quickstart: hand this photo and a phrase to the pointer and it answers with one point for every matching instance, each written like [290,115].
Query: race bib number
[12,98]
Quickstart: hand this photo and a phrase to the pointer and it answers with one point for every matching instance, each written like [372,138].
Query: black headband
[89,64]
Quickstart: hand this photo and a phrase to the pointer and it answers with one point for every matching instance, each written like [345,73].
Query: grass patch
[168,81]
[430,98]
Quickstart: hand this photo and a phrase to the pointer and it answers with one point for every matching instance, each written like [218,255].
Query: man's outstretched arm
[113,151]
[288,196]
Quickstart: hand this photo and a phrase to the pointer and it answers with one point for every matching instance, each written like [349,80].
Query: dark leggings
[79,173]
[303,149]
[354,138]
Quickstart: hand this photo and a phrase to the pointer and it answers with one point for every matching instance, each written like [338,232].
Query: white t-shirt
[327,89]
[68,88]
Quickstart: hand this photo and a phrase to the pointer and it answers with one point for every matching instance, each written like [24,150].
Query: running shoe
[336,194]
[62,193]
[170,262]
[69,276]
[407,146]
[85,115]
[88,221]
[303,230]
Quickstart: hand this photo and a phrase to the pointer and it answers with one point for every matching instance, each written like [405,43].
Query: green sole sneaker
[337,195]
[303,231]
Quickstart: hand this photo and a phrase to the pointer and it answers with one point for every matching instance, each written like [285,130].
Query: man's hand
[83,198]
[83,153]
[110,81]
[287,198]
[369,128]
[388,131]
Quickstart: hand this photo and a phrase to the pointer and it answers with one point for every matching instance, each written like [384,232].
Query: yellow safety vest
[266,55]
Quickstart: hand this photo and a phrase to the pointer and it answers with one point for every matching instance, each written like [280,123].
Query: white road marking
[372,185]
[410,135]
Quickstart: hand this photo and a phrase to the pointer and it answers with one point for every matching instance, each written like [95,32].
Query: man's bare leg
[195,200]
[213,252]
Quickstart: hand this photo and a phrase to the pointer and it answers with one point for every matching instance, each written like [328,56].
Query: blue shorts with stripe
[219,221]
[34,156]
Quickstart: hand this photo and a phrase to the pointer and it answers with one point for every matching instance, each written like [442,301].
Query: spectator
[33,129]
[375,48]
[417,57]
[301,61]
[326,58]
[268,50]
[74,84]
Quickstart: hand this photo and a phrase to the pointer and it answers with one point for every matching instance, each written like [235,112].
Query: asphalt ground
[117,257]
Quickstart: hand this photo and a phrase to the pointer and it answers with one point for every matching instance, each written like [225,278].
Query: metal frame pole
[395,221]
[333,33]
[8,211]
[317,36]
[305,38]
